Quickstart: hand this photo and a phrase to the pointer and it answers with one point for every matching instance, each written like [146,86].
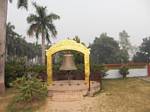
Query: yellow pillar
[49,69]
[86,67]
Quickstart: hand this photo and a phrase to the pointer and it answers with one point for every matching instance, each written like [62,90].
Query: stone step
[57,92]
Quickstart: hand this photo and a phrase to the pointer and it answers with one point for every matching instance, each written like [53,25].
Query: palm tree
[3,18]
[41,23]
[10,35]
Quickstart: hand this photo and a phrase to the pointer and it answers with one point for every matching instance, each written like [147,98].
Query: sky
[89,18]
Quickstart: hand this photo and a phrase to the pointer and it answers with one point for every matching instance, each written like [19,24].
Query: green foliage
[36,69]
[144,51]
[124,70]
[30,89]
[42,23]
[106,50]
[78,57]
[14,69]
[101,68]
[21,3]
[16,46]
[14,106]
[122,56]
[124,40]
[80,67]
[18,68]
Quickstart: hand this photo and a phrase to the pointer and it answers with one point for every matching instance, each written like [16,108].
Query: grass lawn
[129,95]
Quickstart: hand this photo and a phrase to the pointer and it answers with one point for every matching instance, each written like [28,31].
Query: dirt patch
[5,99]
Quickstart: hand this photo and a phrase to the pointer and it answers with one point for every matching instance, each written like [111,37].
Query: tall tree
[3,18]
[143,55]
[77,39]
[125,44]
[124,40]
[16,46]
[3,15]
[10,36]
[78,56]
[42,24]
[106,50]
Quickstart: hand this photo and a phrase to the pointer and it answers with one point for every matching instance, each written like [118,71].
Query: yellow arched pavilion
[67,44]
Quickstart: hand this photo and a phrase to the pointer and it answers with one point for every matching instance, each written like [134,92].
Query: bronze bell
[68,63]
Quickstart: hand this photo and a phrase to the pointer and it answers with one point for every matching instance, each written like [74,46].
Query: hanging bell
[68,63]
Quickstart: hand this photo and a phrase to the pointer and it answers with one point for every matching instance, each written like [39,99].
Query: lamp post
[147,61]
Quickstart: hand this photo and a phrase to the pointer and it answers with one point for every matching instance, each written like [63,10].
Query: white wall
[132,73]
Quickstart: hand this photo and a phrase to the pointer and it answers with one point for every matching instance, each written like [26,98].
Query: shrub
[124,71]
[30,89]
[98,72]
[13,70]
[102,69]
[18,68]
[37,69]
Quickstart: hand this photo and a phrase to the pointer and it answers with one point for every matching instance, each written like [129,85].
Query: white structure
[137,72]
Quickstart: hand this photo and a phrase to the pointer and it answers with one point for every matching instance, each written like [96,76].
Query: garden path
[83,105]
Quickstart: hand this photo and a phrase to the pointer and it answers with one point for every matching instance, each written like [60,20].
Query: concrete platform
[71,90]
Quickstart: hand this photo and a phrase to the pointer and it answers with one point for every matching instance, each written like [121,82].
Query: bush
[18,68]
[102,69]
[30,89]
[36,69]
[124,71]
[13,70]
[98,72]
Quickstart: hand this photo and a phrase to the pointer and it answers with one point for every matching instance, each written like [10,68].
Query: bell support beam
[49,69]
[87,67]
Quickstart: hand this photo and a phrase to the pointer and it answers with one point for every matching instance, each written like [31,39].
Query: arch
[68,44]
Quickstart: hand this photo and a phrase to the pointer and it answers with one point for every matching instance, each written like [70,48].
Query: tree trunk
[124,76]
[43,49]
[3,18]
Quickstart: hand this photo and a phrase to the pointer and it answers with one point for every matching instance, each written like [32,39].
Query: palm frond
[10,1]
[32,18]
[40,10]
[22,3]
[52,17]
[52,29]
[10,26]
[37,33]
[48,38]
[32,29]
[43,21]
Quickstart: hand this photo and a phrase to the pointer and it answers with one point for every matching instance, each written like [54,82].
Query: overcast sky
[90,18]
